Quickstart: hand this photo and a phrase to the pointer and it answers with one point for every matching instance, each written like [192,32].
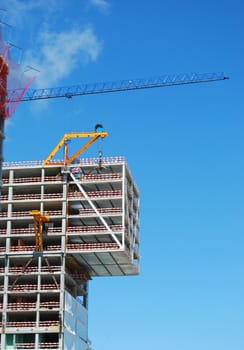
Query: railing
[96,194]
[30,230]
[105,160]
[22,196]
[21,324]
[22,248]
[16,214]
[58,178]
[25,346]
[24,324]
[21,306]
[100,177]
[51,268]
[52,195]
[47,345]
[33,179]
[97,228]
[30,269]
[27,179]
[18,306]
[59,212]
[49,304]
[85,246]
[70,229]
[83,161]
[27,248]
[92,246]
[69,246]
[71,195]
[20,164]
[31,287]
[101,211]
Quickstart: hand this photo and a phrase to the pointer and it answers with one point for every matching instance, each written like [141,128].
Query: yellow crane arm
[39,219]
[93,136]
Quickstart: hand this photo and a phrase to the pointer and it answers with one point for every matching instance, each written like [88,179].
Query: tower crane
[14,96]
[14,87]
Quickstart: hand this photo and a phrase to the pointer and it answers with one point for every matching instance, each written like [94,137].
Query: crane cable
[100,153]
[99,128]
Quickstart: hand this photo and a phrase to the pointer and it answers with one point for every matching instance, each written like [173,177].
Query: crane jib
[115,86]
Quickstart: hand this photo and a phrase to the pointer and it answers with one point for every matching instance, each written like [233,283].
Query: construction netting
[18,81]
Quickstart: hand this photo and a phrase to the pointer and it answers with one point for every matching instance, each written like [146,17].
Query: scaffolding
[92,230]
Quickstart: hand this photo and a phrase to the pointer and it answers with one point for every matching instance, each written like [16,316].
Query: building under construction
[60,226]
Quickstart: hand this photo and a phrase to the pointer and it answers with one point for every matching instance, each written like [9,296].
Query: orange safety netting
[13,82]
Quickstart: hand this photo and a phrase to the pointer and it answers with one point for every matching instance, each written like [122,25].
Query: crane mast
[4,70]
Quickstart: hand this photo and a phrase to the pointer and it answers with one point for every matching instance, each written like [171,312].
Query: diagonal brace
[95,209]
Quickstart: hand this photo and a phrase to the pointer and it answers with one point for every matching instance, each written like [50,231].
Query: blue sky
[184,146]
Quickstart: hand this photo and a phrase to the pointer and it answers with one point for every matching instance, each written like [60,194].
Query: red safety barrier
[49,345]
[22,248]
[99,177]
[96,194]
[100,210]
[92,246]
[49,323]
[28,230]
[54,247]
[53,195]
[53,178]
[23,287]
[27,179]
[21,306]
[21,324]
[25,346]
[97,228]
[49,304]
[49,286]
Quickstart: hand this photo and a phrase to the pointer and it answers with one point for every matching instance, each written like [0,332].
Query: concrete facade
[93,230]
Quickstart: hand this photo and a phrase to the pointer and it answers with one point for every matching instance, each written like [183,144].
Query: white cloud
[57,44]
[101,4]
[18,11]
[60,54]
